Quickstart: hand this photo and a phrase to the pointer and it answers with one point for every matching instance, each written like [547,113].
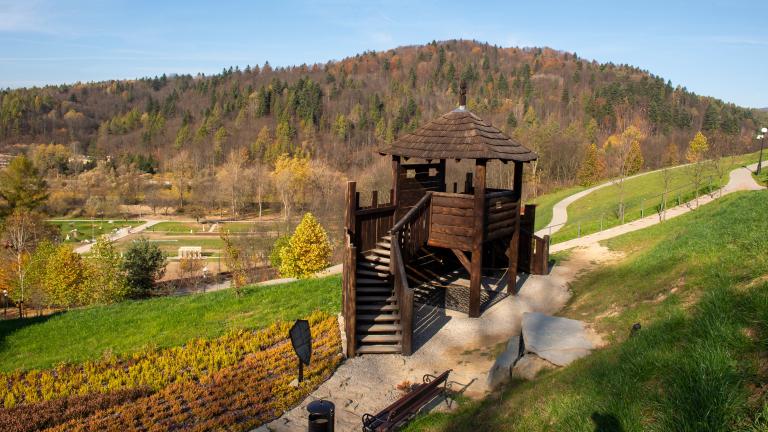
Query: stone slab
[502,368]
[555,339]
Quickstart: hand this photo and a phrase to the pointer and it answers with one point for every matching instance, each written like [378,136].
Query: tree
[592,166]
[280,243]
[308,250]
[23,230]
[697,150]
[625,159]
[290,177]
[237,261]
[107,281]
[65,276]
[143,263]
[21,186]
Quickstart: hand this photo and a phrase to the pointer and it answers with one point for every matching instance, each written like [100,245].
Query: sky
[714,48]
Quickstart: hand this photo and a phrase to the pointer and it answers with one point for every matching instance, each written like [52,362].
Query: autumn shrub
[307,251]
[277,248]
[41,415]
[234,396]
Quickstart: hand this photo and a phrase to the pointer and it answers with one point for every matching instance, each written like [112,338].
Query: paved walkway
[739,179]
[560,210]
[121,233]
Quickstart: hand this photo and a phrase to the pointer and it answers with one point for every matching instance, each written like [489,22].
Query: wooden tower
[393,243]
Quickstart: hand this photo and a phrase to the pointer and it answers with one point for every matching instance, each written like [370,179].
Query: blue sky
[717,48]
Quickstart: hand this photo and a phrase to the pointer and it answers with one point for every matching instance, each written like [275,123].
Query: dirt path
[121,233]
[443,340]
[739,179]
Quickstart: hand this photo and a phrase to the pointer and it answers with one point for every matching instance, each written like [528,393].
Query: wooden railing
[409,235]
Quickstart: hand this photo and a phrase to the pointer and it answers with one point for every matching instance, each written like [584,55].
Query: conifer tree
[592,166]
[308,249]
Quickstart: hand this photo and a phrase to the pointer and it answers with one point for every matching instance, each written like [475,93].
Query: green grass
[698,284]
[87,229]
[178,227]
[544,204]
[762,178]
[125,327]
[641,198]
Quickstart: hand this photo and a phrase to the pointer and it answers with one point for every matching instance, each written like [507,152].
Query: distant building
[5,160]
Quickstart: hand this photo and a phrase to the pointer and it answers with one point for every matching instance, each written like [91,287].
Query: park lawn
[178,227]
[129,326]
[762,178]
[544,204]
[642,197]
[90,229]
[698,285]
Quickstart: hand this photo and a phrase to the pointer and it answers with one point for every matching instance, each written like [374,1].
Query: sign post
[301,339]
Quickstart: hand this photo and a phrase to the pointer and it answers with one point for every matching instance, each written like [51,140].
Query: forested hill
[555,102]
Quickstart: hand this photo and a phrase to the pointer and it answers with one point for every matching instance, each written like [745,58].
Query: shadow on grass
[10,326]
[606,423]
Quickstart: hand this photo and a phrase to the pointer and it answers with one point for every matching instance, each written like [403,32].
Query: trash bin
[321,416]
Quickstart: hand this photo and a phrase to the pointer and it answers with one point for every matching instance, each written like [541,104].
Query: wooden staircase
[378,328]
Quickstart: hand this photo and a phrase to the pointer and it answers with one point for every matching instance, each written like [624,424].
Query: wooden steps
[377,314]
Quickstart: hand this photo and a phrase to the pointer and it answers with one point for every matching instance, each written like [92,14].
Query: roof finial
[462,94]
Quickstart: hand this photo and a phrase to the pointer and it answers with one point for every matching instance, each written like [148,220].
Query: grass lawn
[642,197]
[129,326]
[544,204]
[178,227]
[87,229]
[698,284]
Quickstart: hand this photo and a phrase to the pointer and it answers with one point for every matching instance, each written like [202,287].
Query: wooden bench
[407,406]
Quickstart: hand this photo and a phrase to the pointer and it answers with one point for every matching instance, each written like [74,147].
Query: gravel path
[123,232]
[739,179]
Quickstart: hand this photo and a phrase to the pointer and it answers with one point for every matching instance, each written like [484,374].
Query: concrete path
[560,210]
[121,233]
[739,179]
[443,340]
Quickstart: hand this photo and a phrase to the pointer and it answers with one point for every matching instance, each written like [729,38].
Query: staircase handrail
[412,212]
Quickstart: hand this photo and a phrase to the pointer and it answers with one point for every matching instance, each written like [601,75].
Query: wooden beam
[463,259]
[518,181]
[441,175]
[395,179]
[476,271]
[512,254]
[349,217]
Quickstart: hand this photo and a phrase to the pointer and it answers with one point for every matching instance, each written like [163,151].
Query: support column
[395,179]
[517,185]
[476,272]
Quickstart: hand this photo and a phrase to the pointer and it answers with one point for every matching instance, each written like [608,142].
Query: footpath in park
[560,210]
[739,179]
[121,233]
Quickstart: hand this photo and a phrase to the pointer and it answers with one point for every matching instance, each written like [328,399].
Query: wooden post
[517,184]
[476,274]
[441,176]
[348,272]
[512,254]
[468,184]
[395,179]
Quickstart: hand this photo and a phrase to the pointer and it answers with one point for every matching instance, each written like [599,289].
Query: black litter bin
[321,416]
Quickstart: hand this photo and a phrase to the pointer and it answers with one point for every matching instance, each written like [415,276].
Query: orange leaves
[235,382]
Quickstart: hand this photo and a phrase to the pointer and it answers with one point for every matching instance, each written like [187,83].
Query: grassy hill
[698,286]
[642,197]
[86,334]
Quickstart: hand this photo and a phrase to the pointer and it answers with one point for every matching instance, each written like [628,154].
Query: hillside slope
[553,101]
[697,284]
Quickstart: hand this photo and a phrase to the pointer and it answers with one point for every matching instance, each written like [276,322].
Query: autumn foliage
[308,250]
[234,383]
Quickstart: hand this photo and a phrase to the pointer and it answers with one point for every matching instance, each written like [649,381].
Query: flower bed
[235,382]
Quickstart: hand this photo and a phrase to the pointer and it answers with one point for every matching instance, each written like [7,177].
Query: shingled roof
[459,134]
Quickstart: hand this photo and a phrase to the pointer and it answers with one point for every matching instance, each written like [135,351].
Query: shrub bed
[235,382]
